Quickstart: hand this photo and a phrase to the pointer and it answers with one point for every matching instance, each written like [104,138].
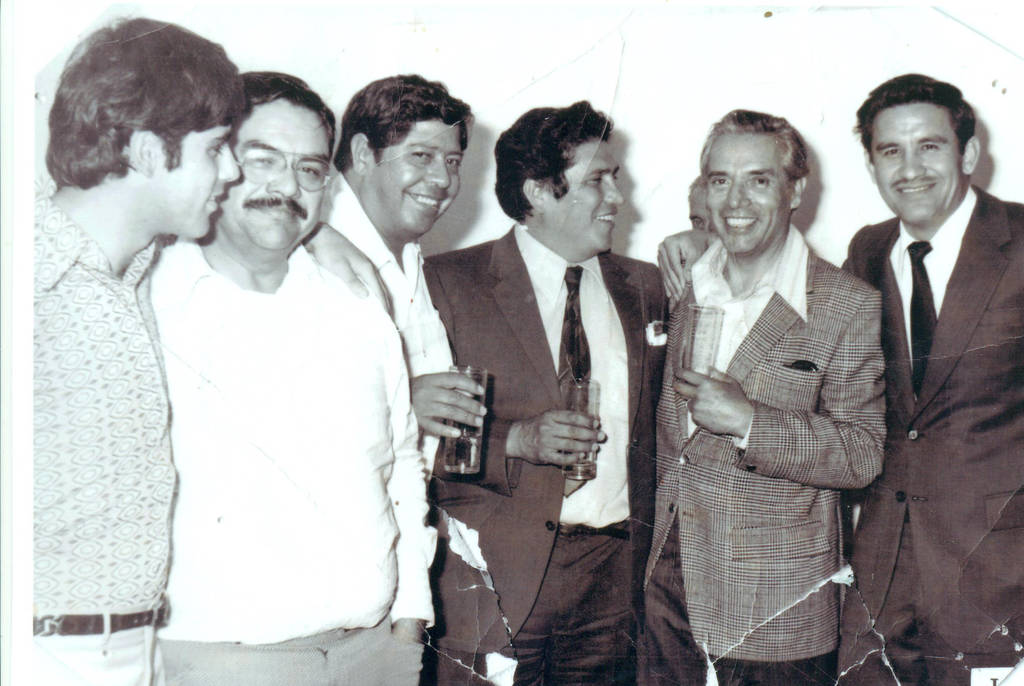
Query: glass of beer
[701,337]
[461,454]
[582,396]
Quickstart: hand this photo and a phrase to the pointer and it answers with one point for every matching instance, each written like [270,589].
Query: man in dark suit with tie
[547,301]
[939,549]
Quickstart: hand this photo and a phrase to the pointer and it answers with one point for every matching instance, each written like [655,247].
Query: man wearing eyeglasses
[300,546]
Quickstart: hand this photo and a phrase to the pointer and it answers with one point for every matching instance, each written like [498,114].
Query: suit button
[551,526]
[912,434]
[751,468]
[672,507]
[635,443]
[900,496]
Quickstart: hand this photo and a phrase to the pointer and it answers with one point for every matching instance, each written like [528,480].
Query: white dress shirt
[424,338]
[939,263]
[302,493]
[605,499]
[787,277]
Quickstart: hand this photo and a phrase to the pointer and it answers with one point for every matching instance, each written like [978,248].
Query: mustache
[268,203]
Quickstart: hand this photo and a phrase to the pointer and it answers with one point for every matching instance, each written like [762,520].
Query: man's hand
[676,256]
[339,256]
[554,437]
[716,402]
[436,397]
[408,630]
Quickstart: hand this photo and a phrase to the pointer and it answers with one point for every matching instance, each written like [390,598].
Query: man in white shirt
[937,553]
[565,563]
[301,552]
[751,456]
[400,151]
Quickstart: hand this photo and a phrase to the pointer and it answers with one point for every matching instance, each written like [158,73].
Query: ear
[971,156]
[363,159]
[870,166]
[537,194]
[146,153]
[798,193]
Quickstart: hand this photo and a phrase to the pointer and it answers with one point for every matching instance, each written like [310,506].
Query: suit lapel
[515,297]
[979,268]
[626,292]
[895,347]
[775,320]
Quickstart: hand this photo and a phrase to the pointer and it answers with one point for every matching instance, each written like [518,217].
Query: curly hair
[136,75]
[540,146]
[385,110]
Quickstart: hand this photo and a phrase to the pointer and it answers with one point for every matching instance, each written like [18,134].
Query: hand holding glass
[582,396]
[701,336]
[461,454]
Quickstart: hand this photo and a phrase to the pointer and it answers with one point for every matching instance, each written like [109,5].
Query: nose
[438,173]
[737,194]
[227,166]
[612,194]
[910,165]
[286,183]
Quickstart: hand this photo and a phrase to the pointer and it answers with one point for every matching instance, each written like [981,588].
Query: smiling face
[405,187]
[916,163]
[579,225]
[270,217]
[750,198]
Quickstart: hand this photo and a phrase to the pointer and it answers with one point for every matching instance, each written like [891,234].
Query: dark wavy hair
[262,87]
[386,109]
[913,88]
[540,146]
[136,75]
[794,161]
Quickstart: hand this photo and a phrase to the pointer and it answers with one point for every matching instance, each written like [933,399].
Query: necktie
[574,351]
[922,312]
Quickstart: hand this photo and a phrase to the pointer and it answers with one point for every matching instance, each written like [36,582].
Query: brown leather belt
[617,530]
[81,625]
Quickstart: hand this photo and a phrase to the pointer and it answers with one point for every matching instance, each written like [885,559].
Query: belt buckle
[48,625]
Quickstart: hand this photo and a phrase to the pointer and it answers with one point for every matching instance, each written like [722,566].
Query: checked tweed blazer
[759,528]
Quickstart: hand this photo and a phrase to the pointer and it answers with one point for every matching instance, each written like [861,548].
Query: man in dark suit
[938,551]
[563,566]
[752,453]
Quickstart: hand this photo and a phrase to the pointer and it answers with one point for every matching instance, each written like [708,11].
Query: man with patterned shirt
[136,132]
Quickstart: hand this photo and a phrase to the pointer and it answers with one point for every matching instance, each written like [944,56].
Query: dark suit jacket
[954,457]
[487,303]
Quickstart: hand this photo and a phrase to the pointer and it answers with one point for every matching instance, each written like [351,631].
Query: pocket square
[656,333]
[801,366]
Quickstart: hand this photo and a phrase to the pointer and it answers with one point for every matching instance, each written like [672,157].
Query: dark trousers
[916,653]
[669,656]
[581,628]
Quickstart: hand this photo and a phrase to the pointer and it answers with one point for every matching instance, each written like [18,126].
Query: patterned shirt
[103,476]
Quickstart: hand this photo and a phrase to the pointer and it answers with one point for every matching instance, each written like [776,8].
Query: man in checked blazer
[939,551]
[751,458]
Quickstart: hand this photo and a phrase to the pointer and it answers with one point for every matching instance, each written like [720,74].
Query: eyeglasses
[261,165]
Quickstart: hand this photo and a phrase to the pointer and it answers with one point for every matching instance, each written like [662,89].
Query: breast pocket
[785,387]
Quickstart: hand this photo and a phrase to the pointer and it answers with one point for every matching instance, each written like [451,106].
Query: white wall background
[664,71]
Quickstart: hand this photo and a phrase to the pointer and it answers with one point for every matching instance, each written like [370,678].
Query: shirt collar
[787,276]
[61,243]
[950,235]
[546,267]
[349,218]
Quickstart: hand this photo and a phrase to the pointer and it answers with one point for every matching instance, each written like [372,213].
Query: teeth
[739,222]
[914,189]
[426,200]
[606,218]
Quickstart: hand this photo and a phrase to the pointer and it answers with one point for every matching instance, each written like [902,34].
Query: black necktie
[922,312]
[574,352]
